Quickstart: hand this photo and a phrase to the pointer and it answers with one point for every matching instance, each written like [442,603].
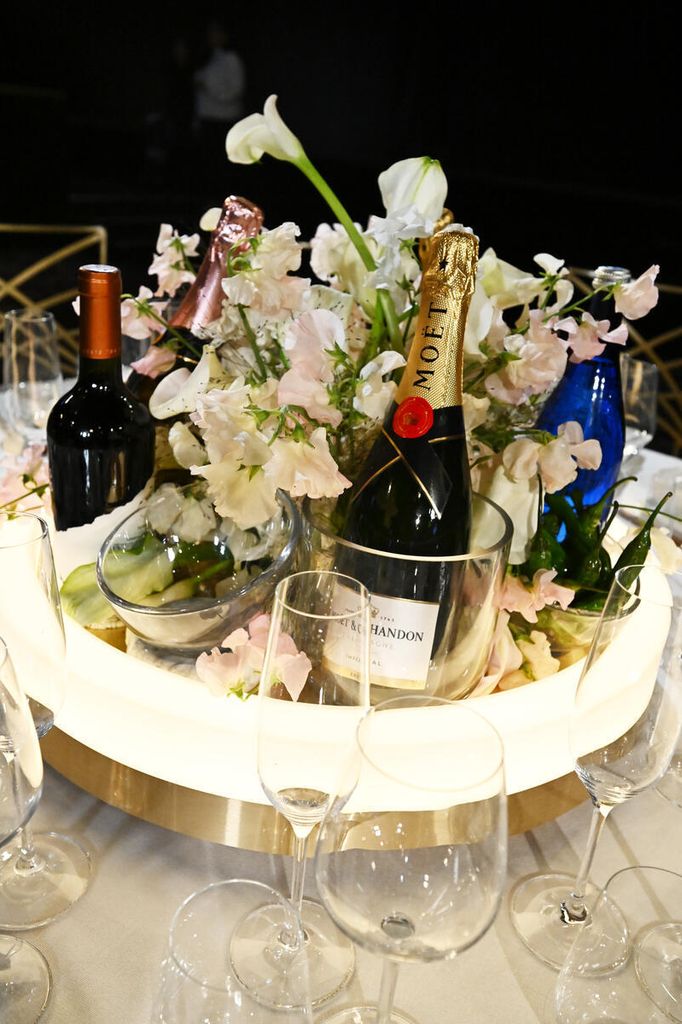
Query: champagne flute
[414,866]
[624,730]
[314,687]
[41,875]
[31,370]
[24,973]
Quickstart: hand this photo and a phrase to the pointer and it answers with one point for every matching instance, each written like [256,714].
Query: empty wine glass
[196,981]
[640,392]
[413,866]
[31,370]
[624,729]
[625,966]
[41,875]
[24,973]
[314,688]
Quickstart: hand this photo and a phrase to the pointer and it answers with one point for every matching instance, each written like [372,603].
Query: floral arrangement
[297,373]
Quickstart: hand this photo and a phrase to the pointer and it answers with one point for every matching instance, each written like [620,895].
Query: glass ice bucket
[433,619]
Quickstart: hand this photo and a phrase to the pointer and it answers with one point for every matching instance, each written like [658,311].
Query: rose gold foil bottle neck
[240,220]
[99,286]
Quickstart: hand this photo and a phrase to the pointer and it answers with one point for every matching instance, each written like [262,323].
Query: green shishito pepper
[634,554]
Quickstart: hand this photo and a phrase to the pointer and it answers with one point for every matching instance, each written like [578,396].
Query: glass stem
[389,979]
[28,861]
[298,871]
[573,908]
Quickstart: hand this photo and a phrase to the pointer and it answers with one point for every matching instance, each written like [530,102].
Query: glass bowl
[171,617]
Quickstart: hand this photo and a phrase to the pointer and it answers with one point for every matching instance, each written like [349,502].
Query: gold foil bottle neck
[435,362]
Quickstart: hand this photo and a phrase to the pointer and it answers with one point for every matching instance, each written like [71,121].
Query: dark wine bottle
[412,498]
[591,394]
[100,439]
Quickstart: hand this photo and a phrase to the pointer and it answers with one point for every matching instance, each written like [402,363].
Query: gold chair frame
[15,288]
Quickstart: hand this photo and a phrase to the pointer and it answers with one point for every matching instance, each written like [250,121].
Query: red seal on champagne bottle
[413,417]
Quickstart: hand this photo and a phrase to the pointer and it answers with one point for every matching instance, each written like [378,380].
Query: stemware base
[535,911]
[30,898]
[658,966]
[25,981]
[365,1015]
[259,943]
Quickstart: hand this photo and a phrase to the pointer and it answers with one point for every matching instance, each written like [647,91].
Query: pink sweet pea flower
[223,671]
[528,601]
[156,360]
[639,297]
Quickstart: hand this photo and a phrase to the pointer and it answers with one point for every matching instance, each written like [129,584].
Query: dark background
[556,132]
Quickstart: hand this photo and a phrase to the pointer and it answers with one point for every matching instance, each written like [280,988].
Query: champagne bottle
[591,393]
[100,440]
[413,495]
[240,220]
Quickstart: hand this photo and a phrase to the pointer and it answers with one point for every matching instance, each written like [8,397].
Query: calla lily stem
[344,218]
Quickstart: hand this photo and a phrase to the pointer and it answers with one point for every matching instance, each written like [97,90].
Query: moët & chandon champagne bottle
[412,501]
[100,440]
[413,495]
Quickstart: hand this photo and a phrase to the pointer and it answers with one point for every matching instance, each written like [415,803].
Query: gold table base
[238,823]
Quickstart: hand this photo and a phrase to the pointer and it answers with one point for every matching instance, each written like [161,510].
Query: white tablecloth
[105,952]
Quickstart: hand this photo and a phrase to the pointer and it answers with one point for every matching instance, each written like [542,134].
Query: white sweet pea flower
[639,297]
[416,182]
[135,322]
[505,284]
[475,411]
[170,262]
[186,447]
[209,220]
[306,467]
[257,134]
[550,264]
[373,394]
[267,286]
[244,495]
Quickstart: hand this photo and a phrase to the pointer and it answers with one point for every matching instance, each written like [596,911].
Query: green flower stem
[330,197]
[38,491]
[344,218]
[248,330]
[147,308]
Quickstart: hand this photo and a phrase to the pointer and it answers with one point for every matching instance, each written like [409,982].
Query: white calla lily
[178,392]
[257,134]
[418,181]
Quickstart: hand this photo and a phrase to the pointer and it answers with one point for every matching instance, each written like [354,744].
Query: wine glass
[617,969]
[24,973]
[640,390]
[41,875]
[414,866]
[196,981]
[624,729]
[31,370]
[314,687]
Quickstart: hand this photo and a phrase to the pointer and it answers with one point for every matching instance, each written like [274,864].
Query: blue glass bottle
[590,393]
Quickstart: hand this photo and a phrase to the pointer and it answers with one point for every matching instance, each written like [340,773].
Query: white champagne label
[401,643]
